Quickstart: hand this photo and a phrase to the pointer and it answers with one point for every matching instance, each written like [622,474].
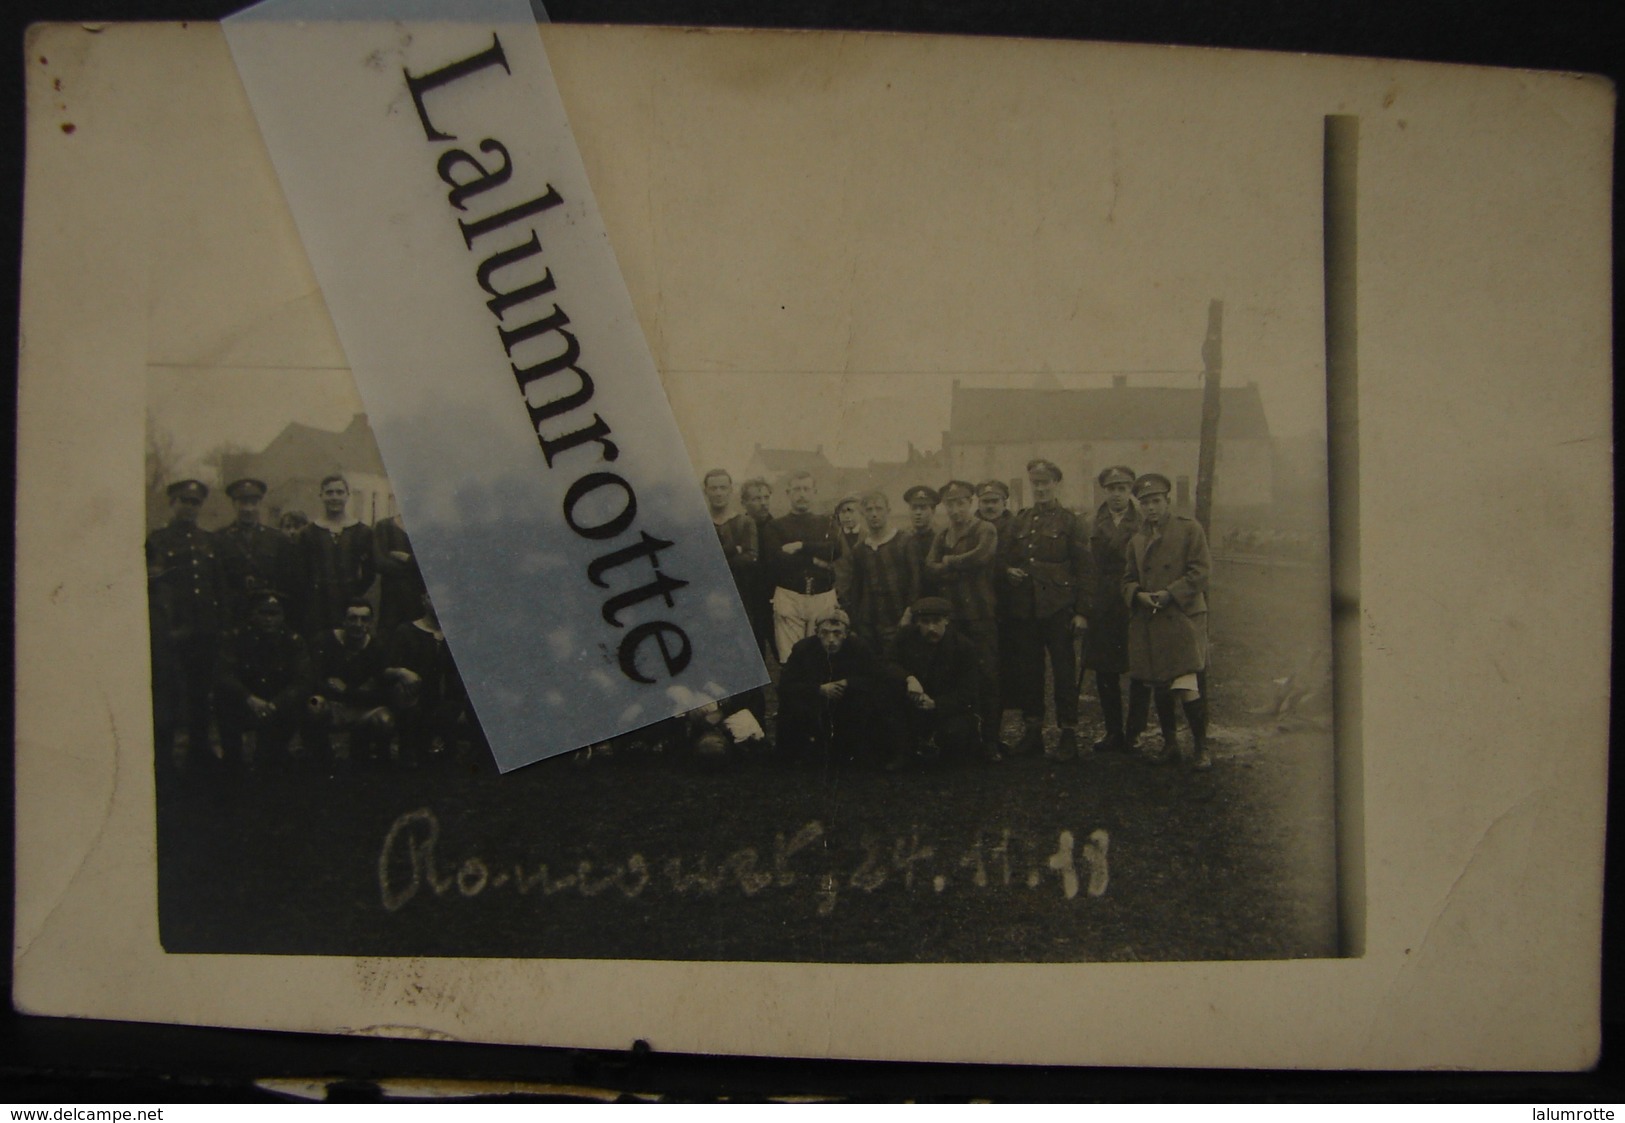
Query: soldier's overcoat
[1105,645]
[1171,642]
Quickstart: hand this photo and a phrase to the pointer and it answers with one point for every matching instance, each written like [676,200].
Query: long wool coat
[1173,641]
[1105,645]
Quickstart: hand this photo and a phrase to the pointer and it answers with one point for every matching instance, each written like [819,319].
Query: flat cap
[188,489]
[932,607]
[1150,484]
[238,489]
[919,493]
[995,487]
[1042,467]
[1117,474]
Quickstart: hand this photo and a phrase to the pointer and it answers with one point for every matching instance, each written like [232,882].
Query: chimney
[1119,382]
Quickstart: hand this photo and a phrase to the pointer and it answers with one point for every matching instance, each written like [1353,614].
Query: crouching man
[349,691]
[943,683]
[720,731]
[433,715]
[833,696]
[262,681]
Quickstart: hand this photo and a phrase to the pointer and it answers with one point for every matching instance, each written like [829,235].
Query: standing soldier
[883,572]
[186,591]
[400,582]
[849,517]
[922,531]
[1165,587]
[1045,564]
[335,557]
[1105,648]
[253,556]
[754,496]
[993,506]
[849,514]
[961,561]
[263,681]
[799,550]
[736,532]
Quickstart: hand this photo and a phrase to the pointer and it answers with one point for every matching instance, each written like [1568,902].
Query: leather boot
[1139,711]
[1111,708]
[1167,717]
[1196,717]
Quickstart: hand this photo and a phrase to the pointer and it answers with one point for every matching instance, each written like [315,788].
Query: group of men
[894,644]
[270,633]
[898,644]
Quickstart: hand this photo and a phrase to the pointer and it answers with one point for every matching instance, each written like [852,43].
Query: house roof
[791,459]
[1114,413]
[317,451]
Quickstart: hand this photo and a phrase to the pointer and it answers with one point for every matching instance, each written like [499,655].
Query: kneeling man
[833,695]
[943,682]
[349,691]
[262,679]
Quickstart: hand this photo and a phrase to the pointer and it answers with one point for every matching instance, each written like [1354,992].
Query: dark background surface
[65,1061]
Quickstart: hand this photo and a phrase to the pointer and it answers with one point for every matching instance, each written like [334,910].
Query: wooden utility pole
[1207,454]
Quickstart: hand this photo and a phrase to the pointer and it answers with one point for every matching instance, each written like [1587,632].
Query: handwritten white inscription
[410,863]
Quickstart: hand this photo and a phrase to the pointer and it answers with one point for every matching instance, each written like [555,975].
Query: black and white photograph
[1050,650]
[1170,537]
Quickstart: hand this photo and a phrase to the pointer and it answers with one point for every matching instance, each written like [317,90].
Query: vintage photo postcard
[1159,483]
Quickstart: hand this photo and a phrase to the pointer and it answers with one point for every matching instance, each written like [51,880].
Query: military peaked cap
[238,489]
[1150,484]
[1118,474]
[188,489]
[929,607]
[997,487]
[958,487]
[919,493]
[1044,467]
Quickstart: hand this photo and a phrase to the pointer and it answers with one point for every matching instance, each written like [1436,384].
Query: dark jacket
[185,580]
[273,666]
[810,667]
[1105,645]
[963,569]
[821,541]
[1172,641]
[400,583]
[430,659]
[336,568]
[1052,545]
[254,558]
[949,671]
[360,671]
